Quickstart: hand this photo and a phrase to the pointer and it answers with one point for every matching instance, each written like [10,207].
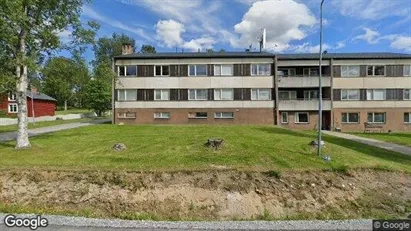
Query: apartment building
[263,88]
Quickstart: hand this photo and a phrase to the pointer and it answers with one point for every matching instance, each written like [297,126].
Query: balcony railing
[304,81]
[301,104]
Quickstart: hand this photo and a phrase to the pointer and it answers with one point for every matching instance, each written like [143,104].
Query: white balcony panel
[303,105]
[372,104]
[196,104]
[304,82]
[372,82]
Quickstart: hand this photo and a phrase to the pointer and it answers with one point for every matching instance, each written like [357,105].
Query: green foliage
[107,47]
[98,95]
[148,49]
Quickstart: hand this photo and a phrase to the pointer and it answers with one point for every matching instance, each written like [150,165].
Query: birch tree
[30,29]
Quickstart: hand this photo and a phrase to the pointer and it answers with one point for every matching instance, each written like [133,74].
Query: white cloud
[400,42]
[308,48]
[200,43]
[169,31]
[65,36]
[371,36]
[373,9]
[283,26]
[90,13]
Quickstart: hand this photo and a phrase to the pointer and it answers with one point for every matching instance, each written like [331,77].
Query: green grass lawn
[10,128]
[396,138]
[170,147]
[73,111]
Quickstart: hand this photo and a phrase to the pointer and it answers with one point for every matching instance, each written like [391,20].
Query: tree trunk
[65,105]
[22,135]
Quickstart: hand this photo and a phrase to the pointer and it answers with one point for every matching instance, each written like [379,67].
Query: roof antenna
[263,40]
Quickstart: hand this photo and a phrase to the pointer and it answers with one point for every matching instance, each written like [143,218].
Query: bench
[370,127]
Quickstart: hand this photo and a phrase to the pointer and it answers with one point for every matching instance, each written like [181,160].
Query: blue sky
[292,25]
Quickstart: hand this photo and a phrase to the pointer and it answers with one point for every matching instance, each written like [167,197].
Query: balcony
[303,81]
[303,105]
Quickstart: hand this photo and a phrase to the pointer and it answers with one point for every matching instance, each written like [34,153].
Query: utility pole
[320,95]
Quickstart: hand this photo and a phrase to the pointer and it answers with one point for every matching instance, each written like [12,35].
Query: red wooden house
[40,104]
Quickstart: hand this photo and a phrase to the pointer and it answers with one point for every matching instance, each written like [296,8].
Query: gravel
[81,223]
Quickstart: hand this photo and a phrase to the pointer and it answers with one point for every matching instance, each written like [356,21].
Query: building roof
[180,55]
[40,96]
[312,56]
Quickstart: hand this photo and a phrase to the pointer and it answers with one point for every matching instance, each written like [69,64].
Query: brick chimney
[34,90]
[126,49]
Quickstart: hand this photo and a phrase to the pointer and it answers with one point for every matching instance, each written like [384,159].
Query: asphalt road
[65,223]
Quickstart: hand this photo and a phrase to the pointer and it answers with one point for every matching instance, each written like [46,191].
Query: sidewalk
[9,136]
[376,143]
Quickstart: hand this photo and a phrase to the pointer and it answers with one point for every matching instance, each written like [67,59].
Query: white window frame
[309,95]
[258,93]
[282,117]
[221,69]
[161,115]
[309,71]
[123,115]
[409,118]
[348,118]
[409,94]
[372,92]
[373,70]
[348,90]
[296,116]
[12,97]
[407,73]
[162,98]
[195,94]
[118,70]
[219,92]
[195,69]
[13,104]
[195,115]
[345,70]
[220,115]
[373,117]
[258,69]
[125,94]
[288,70]
[161,70]
[290,95]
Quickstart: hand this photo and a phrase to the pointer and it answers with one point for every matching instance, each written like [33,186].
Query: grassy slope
[397,138]
[181,147]
[10,128]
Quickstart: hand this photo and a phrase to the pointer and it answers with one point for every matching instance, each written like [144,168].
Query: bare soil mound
[209,195]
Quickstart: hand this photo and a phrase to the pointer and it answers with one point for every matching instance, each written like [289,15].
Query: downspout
[332,93]
[276,82]
[113,103]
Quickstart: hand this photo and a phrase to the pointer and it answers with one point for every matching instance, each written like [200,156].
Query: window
[198,70]
[197,115]
[407,94]
[287,95]
[223,94]
[121,71]
[376,70]
[407,70]
[161,115]
[376,117]
[127,115]
[261,94]
[311,72]
[224,115]
[310,94]
[163,70]
[12,97]
[127,95]
[350,71]
[131,70]
[197,94]
[287,72]
[301,117]
[407,117]
[223,69]
[350,94]
[260,69]
[284,117]
[162,94]
[350,117]
[13,108]
[376,94]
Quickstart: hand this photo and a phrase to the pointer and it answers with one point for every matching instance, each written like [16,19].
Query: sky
[233,25]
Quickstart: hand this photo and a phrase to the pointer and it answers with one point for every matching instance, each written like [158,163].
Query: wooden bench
[370,127]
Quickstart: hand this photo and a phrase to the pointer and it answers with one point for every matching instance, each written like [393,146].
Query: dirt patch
[209,195]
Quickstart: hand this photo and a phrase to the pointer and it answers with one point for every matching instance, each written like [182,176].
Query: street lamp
[320,109]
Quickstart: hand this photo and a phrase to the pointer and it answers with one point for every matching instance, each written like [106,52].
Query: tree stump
[214,143]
